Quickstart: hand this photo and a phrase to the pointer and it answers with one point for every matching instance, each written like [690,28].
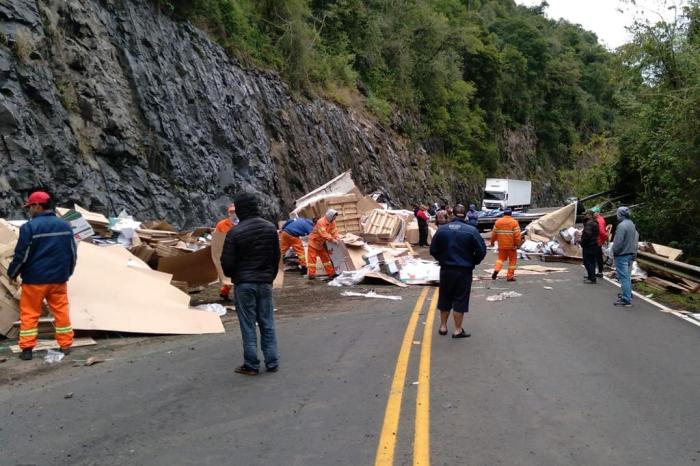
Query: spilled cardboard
[129,298]
[217,248]
[197,268]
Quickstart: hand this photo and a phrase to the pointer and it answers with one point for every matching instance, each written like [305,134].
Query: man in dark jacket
[589,244]
[472,215]
[251,258]
[45,258]
[459,248]
[624,251]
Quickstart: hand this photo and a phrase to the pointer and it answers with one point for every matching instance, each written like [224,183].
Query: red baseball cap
[37,197]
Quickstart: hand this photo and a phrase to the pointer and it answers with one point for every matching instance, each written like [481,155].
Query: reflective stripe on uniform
[29,333]
[57,233]
[64,329]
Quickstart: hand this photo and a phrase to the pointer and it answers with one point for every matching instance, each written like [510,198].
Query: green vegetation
[469,71]
[659,129]
[492,88]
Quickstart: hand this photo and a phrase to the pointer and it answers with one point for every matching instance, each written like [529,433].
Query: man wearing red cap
[45,258]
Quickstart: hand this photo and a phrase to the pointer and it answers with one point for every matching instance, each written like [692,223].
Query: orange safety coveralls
[224,226]
[506,231]
[288,241]
[323,231]
[30,310]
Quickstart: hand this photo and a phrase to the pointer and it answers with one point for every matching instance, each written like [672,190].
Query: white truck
[500,193]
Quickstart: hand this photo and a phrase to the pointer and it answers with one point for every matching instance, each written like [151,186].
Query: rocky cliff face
[114,106]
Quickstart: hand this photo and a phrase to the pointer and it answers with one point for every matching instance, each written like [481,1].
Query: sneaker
[621,302]
[245,370]
[494,275]
[273,369]
[26,354]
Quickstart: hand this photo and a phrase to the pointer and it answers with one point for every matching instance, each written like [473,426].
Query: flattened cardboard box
[195,268]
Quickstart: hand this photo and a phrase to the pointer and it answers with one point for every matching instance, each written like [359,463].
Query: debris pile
[663,270]
[113,289]
[375,243]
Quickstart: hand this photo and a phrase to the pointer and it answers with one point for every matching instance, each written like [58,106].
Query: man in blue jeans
[251,258]
[624,251]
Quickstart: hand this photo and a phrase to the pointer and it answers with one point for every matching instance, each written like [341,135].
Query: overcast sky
[603,17]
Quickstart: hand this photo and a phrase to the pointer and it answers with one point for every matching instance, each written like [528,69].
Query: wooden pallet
[382,224]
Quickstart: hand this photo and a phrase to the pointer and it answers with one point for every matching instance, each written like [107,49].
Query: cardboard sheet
[197,268]
[217,248]
[340,255]
[106,293]
[279,279]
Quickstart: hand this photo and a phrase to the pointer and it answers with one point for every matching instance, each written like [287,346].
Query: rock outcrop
[114,106]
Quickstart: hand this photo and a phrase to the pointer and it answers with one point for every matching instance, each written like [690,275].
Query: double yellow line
[421,439]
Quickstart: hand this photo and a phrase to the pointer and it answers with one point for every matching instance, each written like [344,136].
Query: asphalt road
[554,377]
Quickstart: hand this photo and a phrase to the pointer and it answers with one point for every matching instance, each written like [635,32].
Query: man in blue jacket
[45,258]
[459,248]
[292,230]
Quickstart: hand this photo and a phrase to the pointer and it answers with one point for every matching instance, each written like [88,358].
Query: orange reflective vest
[323,231]
[506,231]
[224,226]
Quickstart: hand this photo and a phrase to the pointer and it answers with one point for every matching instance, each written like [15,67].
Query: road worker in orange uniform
[324,230]
[44,258]
[506,231]
[224,226]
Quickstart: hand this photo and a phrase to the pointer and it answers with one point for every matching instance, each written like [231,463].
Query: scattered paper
[504,295]
[371,294]
[53,356]
[216,308]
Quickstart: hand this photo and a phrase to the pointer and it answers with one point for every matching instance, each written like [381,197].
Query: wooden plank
[43,345]
[569,259]
[669,286]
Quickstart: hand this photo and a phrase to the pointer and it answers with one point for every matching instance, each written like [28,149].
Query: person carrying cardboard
[324,230]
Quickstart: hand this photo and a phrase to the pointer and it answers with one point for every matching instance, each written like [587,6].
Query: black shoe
[245,370]
[621,302]
[589,281]
[65,351]
[494,275]
[273,369]
[26,354]
[303,270]
[599,275]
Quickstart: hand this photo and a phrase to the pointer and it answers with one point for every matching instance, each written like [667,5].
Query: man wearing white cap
[324,230]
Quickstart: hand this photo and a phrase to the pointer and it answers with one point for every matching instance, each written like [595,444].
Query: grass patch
[23,46]
[677,302]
